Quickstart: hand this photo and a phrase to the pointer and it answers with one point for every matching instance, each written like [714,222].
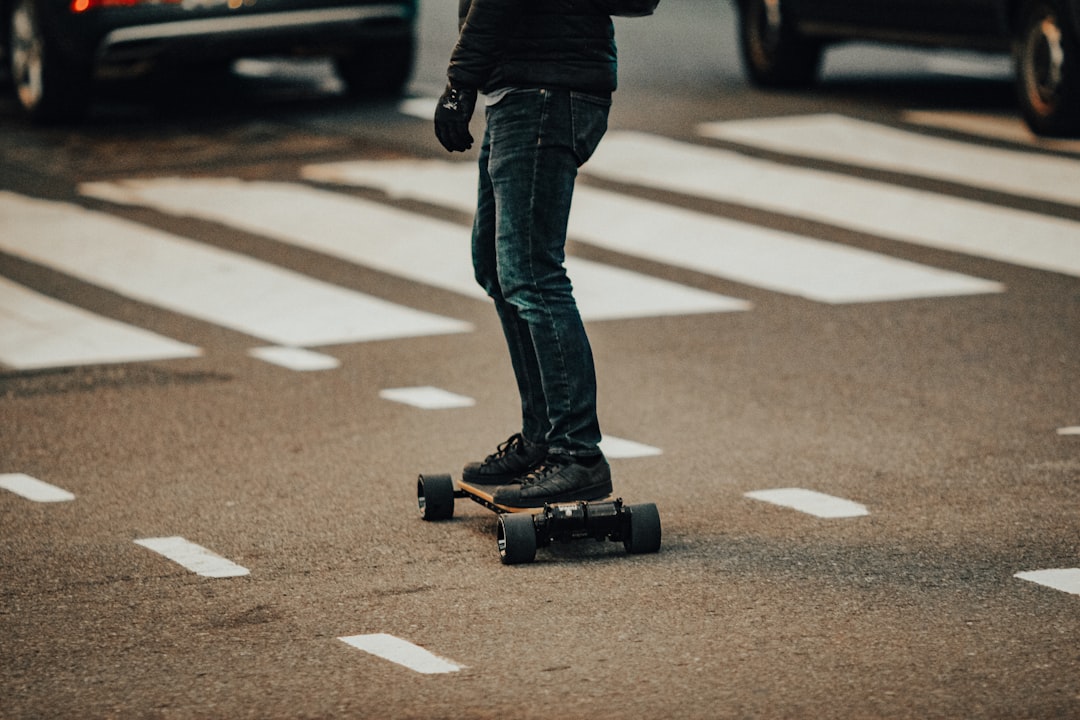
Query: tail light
[80,6]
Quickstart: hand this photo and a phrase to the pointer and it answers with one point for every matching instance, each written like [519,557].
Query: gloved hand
[452,117]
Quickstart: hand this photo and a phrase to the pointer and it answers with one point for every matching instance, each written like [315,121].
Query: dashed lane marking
[1063,579]
[811,502]
[294,358]
[214,285]
[402,652]
[620,449]
[427,398]
[33,489]
[37,331]
[401,243]
[899,213]
[760,257]
[194,557]
[1073,430]
[865,144]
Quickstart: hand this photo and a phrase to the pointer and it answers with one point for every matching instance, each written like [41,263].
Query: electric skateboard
[522,530]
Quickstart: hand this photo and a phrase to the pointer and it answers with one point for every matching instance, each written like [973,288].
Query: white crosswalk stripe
[865,144]
[37,331]
[429,251]
[214,285]
[756,256]
[912,216]
[1007,127]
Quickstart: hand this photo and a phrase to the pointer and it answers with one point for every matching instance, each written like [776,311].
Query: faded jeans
[535,141]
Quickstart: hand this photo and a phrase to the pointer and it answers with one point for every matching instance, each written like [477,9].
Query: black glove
[452,117]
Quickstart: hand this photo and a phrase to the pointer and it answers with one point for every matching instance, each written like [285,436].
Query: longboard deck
[487,499]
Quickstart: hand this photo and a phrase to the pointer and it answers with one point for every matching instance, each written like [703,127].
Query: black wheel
[773,52]
[379,67]
[435,496]
[1047,61]
[517,538]
[642,529]
[49,86]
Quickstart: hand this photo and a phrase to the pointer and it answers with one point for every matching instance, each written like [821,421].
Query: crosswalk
[289,315]
[752,255]
[428,251]
[918,217]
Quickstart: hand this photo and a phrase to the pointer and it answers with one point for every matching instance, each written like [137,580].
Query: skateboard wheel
[517,538]
[435,496]
[642,533]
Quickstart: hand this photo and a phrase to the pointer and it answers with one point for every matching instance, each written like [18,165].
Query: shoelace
[511,445]
[543,470]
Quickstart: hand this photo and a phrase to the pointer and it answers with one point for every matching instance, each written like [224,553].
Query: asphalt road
[887,325]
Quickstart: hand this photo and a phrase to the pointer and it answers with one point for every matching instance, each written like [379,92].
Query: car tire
[48,86]
[380,68]
[1047,59]
[774,54]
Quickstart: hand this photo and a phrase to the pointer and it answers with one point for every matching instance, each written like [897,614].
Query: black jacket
[539,43]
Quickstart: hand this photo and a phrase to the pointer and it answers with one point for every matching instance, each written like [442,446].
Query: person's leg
[532,168]
[538,139]
[523,451]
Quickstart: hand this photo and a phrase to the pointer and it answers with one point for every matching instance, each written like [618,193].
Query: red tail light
[78,6]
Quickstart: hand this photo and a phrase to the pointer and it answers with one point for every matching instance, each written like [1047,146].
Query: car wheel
[47,86]
[773,53]
[379,68]
[1048,70]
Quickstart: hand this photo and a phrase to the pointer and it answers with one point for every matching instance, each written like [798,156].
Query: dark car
[782,42]
[54,48]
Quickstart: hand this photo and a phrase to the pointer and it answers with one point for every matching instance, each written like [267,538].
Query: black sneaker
[514,459]
[561,478]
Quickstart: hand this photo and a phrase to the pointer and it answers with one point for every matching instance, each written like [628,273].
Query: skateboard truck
[522,530]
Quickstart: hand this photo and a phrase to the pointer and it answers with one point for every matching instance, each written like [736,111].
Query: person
[547,70]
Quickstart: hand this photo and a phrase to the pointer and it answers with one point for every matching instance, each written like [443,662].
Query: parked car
[782,42]
[54,48]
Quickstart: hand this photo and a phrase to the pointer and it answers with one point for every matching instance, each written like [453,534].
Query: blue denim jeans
[535,141]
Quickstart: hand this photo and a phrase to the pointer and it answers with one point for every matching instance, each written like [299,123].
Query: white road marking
[194,557]
[1063,579]
[1074,430]
[214,285]
[912,216]
[405,244]
[33,489]
[37,331]
[402,652]
[619,449]
[999,127]
[865,144]
[297,359]
[427,398]
[777,261]
[811,502]
[422,108]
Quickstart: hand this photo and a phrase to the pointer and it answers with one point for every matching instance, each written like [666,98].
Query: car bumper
[307,30]
[124,35]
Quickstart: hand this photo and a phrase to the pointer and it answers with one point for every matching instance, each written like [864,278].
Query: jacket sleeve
[485,27]
[627,8]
